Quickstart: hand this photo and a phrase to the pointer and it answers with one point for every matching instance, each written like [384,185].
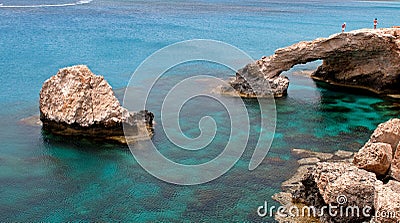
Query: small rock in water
[343,154]
[308,153]
[310,160]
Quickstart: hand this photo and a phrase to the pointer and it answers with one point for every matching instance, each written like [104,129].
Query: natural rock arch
[364,58]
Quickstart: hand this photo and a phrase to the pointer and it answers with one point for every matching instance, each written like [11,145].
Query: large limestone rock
[381,152]
[387,132]
[340,185]
[374,157]
[77,102]
[395,167]
[344,184]
[364,58]
[387,202]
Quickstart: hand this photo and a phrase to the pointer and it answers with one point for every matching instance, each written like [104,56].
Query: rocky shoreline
[366,59]
[76,102]
[367,180]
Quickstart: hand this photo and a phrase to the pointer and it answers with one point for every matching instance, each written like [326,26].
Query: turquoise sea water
[54,180]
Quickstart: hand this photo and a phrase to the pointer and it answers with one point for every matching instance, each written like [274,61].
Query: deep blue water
[57,180]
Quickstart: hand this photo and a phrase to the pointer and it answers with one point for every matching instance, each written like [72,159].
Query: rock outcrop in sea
[250,82]
[365,188]
[365,58]
[76,102]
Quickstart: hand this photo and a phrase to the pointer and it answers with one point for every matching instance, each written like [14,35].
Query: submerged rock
[308,161]
[31,121]
[344,154]
[309,154]
[76,102]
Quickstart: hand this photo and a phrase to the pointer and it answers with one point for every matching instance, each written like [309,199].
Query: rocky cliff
[366,58]
[76,102]
[368,183]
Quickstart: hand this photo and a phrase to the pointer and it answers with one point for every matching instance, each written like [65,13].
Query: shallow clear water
[44,179]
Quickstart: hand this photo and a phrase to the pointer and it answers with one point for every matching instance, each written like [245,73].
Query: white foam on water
[80,2]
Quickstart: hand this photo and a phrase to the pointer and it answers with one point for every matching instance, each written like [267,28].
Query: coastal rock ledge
[366,58]
[76,102]
[367,182]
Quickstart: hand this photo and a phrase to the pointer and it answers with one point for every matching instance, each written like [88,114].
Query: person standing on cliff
[343,27]
[375,23]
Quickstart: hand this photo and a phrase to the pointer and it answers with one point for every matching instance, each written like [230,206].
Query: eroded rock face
[395,167]
[353,182]
[364,58]
[77,102]
[381,152]
[387,202]
[345,185]
[388,132]
[374,157]
[250,82]
[338,184]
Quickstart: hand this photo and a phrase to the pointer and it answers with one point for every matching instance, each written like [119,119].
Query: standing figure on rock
[343,27]
[375,23]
